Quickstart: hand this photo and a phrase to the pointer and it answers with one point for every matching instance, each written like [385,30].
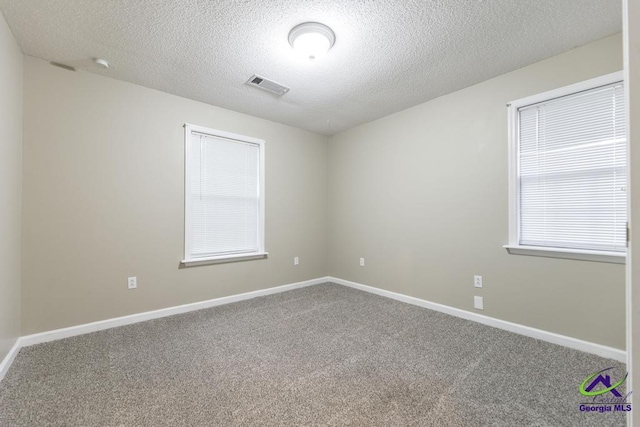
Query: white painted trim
[514,246]
[225,258]
[579,254]
[9,358]
[631,61]
[43,337]
[577,344]
[187,192]
[262,197]
[605,80]
[514,166]
[223,134]
[87,328]
[188,259]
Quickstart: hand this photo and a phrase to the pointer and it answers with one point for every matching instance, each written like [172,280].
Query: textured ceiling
[389,55]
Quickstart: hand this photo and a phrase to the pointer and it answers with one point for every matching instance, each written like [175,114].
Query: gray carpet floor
[323,355]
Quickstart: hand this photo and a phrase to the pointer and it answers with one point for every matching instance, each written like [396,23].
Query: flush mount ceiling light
[312,39]
[102,63]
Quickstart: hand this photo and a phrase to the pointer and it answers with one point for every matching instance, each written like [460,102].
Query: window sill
[224,258]
[584,255]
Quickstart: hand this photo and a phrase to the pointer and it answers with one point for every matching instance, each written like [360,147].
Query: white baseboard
[86,328]
[577,344]
[43,337]
[8,360]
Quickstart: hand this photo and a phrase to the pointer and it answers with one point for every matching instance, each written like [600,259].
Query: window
[224,196]
[568,166]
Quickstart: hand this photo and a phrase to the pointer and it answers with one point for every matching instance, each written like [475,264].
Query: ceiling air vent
[268,85]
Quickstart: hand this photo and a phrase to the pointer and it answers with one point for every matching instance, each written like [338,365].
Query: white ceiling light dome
[312,39]
[102,63]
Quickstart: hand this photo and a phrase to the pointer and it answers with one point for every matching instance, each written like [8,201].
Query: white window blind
[224,197]
[572,171]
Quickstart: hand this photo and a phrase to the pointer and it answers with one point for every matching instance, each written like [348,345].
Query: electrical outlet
[296,260]
[132,283]
[478,303]
[361,262]
[477,281]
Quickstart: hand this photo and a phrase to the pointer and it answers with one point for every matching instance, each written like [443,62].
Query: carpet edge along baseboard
[57,334]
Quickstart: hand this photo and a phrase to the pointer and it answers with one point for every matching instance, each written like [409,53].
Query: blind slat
[572,171]
[224,196]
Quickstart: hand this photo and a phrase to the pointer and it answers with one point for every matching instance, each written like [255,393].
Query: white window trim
[261,253]
[514,247]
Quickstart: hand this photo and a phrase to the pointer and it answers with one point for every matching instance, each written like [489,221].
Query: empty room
[366,213]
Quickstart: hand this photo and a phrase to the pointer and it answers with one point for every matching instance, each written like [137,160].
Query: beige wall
[103,200]
[422,196]
[10,187]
